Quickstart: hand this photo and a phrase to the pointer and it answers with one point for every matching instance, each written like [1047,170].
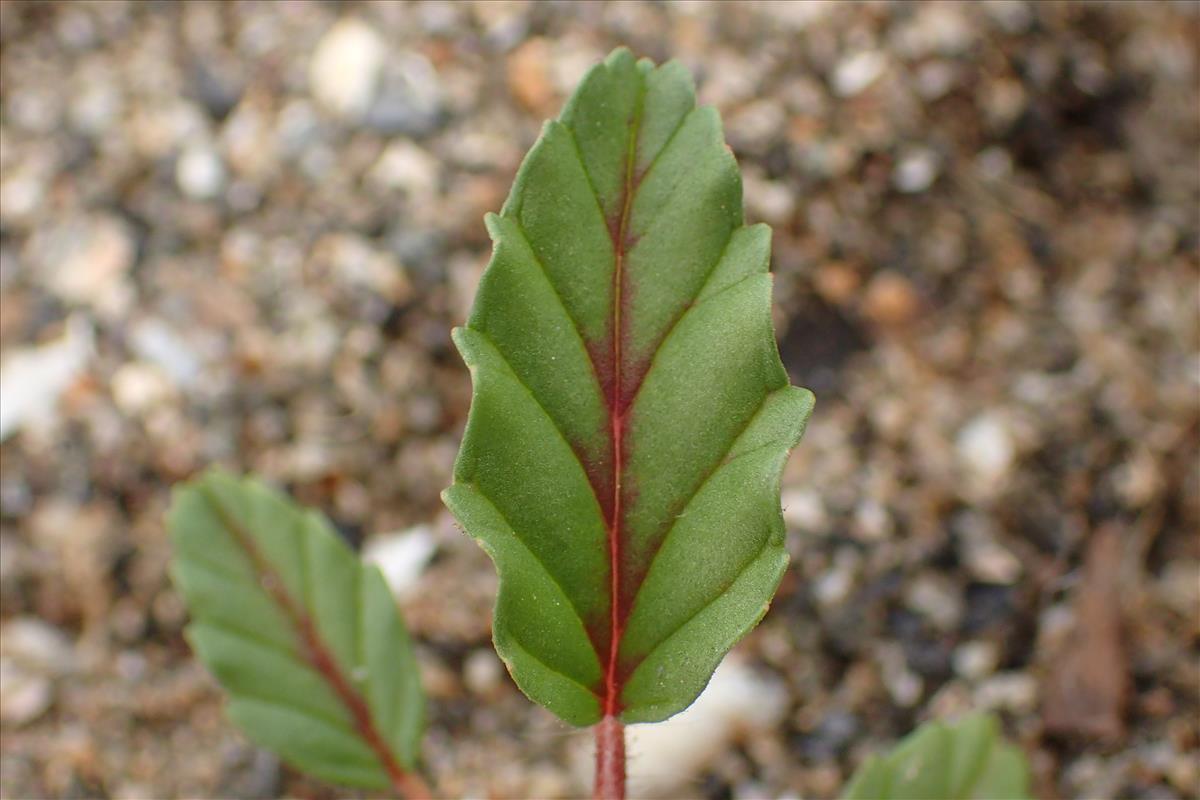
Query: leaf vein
[666,145]
[262,644]
[712,472]
[707,604]
[537,560]
[517,642]
[683,312]
[586,172]
[346,732]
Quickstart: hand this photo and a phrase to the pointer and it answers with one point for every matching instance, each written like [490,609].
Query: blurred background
[239,233]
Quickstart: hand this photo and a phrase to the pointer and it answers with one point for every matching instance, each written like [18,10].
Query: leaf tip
[619,55]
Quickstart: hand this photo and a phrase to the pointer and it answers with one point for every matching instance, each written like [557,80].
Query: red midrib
[319,656]
[617,409]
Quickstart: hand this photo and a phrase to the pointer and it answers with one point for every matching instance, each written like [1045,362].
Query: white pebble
[85,260]
[904,685]
[401,556]
[872,521]
[976,659]
[200,173]
[407,167]
[1011,691]
[138,387]
[482,672]
[345,67]
[24,696]
[858,71]
[32,379]
[936,599]
[37,645]
[833,586]
[988,560]
[915,171]
[804,510]
[156,342]
[986,447]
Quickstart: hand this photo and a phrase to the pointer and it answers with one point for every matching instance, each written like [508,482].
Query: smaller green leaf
[305,638]
[966,760]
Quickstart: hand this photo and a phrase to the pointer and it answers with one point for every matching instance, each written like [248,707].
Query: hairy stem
[411,786]
[610,760]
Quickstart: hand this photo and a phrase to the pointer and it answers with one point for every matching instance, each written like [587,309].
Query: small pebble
[345,68]
[482,672]
[402,556]
[85,260]
[858,71]
[33,379]
[1011,691]
[138,387]
[36,645]
[890,300]
[976,659]
[24,696]
[937,599]
[988,560]
[986,448]
[200,173]
[915,171]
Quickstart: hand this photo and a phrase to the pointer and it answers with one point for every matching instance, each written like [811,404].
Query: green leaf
[630,416]
[967,760]
[305,638]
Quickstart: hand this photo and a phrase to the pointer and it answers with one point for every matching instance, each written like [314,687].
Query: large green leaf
[630,416]
[306,639]
[967,760]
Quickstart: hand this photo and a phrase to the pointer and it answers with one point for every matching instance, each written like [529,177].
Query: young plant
[966,760]
[630,416]
[304,637]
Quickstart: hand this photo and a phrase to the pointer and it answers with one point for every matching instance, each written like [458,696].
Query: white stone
[200,173]
[664,758]
[935,598]
[916,171]
[138,387]
[833,586]
[32,379]
[482,672]
[344,72]
[1010,691]
[857,71]
[902,684]
[804,510]
[986,448]
[405,166]
[935,28]
[37,646]
[987,559]
[401,556]
[156,342]
[24,696]
[85,261]
[872,521]
[771,201]
[976,659]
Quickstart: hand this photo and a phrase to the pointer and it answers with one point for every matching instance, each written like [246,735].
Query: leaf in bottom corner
[966,760]
[305,638]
